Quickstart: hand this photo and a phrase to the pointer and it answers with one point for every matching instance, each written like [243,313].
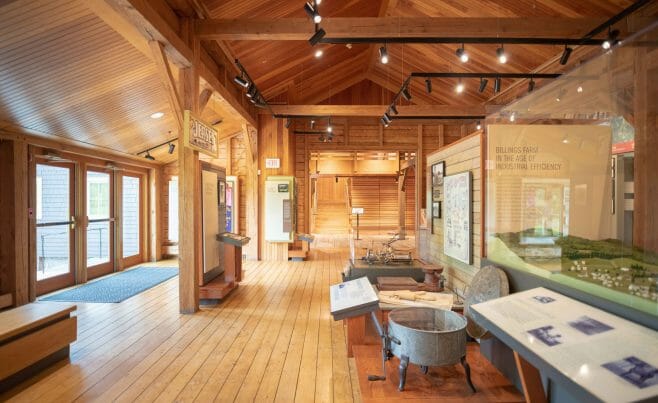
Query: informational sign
[279,209]
[200,136]
[211,254]
[610,358]
[352,298]
[272,163]
[457,218]
[357,210]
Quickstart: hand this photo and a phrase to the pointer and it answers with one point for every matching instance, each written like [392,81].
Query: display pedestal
[223,284]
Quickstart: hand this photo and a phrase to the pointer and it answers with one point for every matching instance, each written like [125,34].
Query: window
[98,195]
[172,232]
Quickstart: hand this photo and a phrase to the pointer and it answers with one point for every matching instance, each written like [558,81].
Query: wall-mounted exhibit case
[571,181]
[232,204]
[280,208]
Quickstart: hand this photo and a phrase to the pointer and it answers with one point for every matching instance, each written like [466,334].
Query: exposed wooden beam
[168,81]
[378,110]
[204,97]
[295,29]
[135,18]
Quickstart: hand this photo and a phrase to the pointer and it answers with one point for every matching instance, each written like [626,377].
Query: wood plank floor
[272,339]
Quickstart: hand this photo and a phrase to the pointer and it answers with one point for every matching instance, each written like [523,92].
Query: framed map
[457,217]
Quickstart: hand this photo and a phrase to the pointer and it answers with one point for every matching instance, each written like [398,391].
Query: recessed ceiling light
[318,53]
[157,115]
[459,88]
[579,89]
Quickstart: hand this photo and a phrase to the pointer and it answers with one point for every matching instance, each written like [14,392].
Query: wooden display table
[415,269]
[32,337]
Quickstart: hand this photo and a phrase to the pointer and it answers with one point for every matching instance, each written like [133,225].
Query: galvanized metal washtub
[428,336]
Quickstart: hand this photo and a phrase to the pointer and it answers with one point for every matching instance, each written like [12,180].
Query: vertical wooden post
[155,213]
[189,203]
[420,188]
[118,221]
[251,189]
[402,207]
[645,206]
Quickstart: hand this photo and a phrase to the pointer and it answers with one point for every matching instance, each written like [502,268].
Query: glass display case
[571,178]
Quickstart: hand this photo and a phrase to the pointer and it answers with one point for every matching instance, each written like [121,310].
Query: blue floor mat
[118,287]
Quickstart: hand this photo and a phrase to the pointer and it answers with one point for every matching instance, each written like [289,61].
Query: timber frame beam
[378,110]
[146,24]
[295,29]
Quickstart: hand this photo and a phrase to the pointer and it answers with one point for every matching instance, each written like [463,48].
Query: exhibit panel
[570,182]
[213,190]
[596,355]
[279,209]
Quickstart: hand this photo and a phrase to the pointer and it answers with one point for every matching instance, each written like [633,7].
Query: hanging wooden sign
[199,135]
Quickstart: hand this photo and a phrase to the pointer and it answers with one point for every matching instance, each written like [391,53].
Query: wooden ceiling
[287,71]
[72,68]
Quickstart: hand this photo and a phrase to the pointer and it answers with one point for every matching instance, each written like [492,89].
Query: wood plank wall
[367,134]
[462,156]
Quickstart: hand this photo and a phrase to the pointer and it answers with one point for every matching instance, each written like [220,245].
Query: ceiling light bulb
[383,55]
[459,88]
[502,57]
[330,129]
[318,53]
[579,89]
[317,18]
[606,44]
[317,2]
[462,55]
[157,115]
[512,117]
[478,126]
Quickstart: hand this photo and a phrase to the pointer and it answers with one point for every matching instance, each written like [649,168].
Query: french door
[100,219]
[54,235]
[131,219]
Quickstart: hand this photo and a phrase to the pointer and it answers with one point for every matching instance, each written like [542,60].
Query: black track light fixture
[240,80]
[612,40]
[428,85]
[288,123]
[384,122]
[312,11]
[394,109]
[252,91]
[317,37]
[501,55]
[406,94]
[383,55]
[172,147]
[461,54]
[483,84]
[148,156]
[387,118]
[565,55]
[496,85]
[531,85]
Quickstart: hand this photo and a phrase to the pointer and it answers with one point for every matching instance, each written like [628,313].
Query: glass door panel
[131,219]
[100,230]
[54,226]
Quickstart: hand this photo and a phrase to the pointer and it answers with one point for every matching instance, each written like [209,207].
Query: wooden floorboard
[272,339]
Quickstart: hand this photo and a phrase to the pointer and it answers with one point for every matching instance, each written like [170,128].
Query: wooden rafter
[168,81]
[295,29]
[378,110]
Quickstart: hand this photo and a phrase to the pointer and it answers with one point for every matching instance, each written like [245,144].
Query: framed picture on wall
[436,209]
[436,194]
[438,170]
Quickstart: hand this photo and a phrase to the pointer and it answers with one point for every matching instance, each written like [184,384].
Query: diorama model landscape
[608,263]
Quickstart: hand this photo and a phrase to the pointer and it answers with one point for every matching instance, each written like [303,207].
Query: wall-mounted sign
[357,210]
[199,136]
[272,163]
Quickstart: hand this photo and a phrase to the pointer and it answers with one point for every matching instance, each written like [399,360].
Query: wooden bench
[297,255]
[32,337]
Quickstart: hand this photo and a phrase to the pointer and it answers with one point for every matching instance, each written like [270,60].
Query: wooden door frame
[63,280]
